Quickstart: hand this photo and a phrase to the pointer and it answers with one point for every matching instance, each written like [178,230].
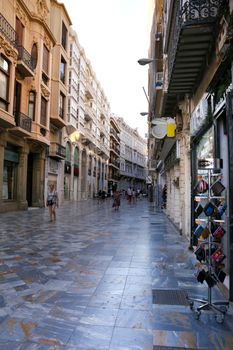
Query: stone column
[22,178]
[38,182]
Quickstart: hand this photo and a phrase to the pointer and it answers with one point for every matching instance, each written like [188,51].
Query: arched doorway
[67,172]
[76,172]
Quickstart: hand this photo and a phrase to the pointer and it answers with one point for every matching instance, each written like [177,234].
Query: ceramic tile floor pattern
[86,281]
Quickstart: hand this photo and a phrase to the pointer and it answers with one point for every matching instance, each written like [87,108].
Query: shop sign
[210,163]
[198,117]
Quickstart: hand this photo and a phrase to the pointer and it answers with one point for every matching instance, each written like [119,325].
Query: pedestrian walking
[52,202]
[129,194]
[116,200]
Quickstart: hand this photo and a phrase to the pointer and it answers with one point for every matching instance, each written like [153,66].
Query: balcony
[25,64]
[190,46]
[57,151]
[23,125]
[6,119]
[59,120]
[115,134]
[89,113]
[7,31]
[89,91]
[88,137]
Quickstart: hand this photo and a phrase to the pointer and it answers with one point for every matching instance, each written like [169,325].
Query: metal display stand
[218,307]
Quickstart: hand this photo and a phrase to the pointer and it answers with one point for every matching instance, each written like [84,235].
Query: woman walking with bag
[52,202]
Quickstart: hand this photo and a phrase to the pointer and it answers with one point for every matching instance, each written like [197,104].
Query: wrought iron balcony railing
[23,121]
[25,56]
[191,12]
[57,150]
[7,30]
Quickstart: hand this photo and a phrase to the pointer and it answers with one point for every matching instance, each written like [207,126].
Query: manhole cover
[170,297]
[158,347]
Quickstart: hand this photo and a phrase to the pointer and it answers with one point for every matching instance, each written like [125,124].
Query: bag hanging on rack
[200,253]
[209,209]
[218,256]
[217,188]
[199,210]
[210,280]
[201,187]
[201,275]
[198,231]
[205,233]
[221,276]
[221,210]
[219,233]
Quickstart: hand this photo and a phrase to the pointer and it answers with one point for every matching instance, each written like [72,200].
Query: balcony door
[17,97]
[19,30]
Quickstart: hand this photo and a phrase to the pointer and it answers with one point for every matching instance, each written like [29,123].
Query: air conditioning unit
[159,80]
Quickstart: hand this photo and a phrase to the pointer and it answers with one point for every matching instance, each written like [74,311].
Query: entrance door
[29,179]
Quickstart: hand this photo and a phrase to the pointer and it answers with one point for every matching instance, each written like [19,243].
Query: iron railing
[25,56]
[7,30]
[23,121]
[57,149]
[191,12]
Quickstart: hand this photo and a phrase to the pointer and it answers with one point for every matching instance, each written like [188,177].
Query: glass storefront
[11,159]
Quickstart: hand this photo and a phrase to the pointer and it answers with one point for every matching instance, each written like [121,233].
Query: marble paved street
[86,281]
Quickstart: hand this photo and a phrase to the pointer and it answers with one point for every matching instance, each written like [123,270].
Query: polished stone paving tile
[85,282]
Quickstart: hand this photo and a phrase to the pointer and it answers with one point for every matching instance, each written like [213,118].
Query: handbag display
[205,233]
[201,276]
[201,187]
[217,188]
[209,209]
[200,253]
[219,233]
[198,210]
[218,256]
[198,231]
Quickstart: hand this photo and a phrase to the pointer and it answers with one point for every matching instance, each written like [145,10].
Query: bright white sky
[114,35]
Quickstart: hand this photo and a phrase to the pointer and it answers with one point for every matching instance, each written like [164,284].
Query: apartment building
[87,131]
[114,159]
[194,41]
[133,157]
[26,57]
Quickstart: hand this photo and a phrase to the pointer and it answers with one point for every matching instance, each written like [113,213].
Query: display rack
[209,267]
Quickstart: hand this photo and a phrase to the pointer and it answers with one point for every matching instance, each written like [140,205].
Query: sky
[114,35]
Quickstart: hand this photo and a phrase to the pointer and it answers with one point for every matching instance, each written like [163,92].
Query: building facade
[114,159]
[133,158]
[194,41]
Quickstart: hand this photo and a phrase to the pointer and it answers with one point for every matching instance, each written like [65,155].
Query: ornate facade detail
[45,92]
[21,15]
[47,42]
[42,9]
[9,51]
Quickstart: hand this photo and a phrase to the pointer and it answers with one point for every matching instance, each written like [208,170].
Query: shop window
[31,105]
[9,177]
[4,82]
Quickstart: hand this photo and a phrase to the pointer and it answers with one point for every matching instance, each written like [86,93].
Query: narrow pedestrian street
[86,282]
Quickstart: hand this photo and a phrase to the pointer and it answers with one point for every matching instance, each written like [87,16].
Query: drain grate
[158,347]
[170,297]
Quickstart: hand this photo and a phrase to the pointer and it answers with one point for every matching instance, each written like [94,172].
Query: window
[64,35]
[46,60]
[9,179]
[43,111]
[62,70]
[4,82]
[62,105]
[19,28]
[34,55]
[31,105]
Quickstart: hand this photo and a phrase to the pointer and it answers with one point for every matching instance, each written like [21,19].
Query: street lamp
[144,61]
[144,113]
